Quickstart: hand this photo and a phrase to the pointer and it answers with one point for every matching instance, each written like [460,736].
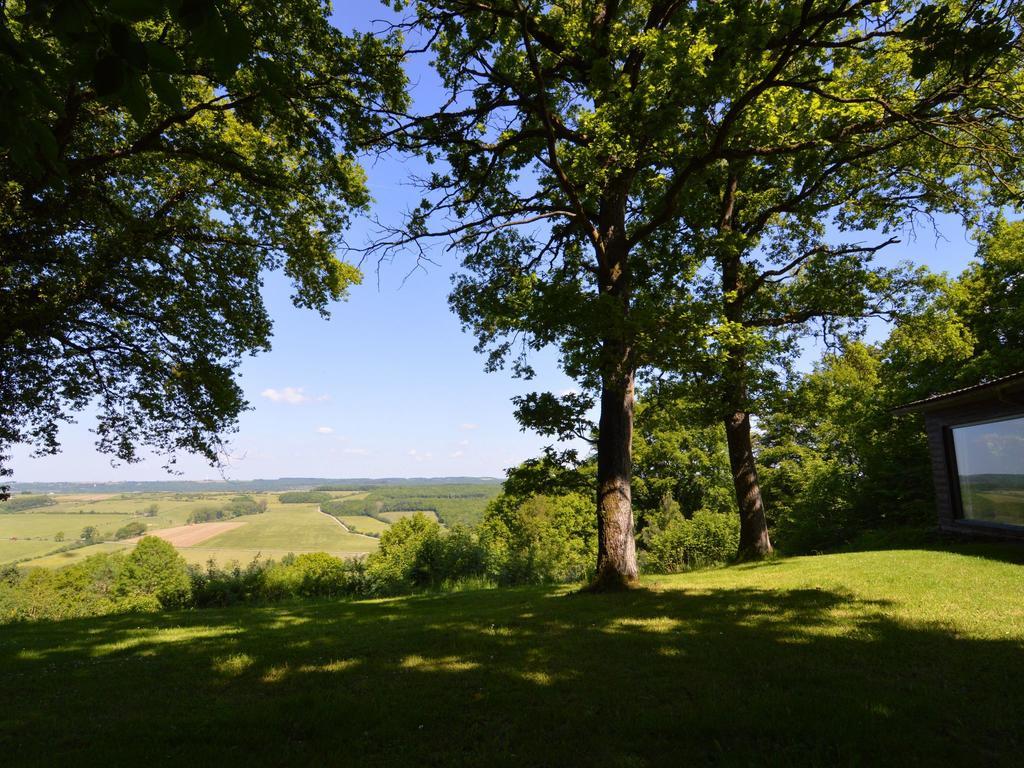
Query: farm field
[36,536]
[32,536]
[291,527]
[363,523]
[902,657]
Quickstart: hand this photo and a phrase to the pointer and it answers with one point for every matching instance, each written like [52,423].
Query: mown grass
[875,658]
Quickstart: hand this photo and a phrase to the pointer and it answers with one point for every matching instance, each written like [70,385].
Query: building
[976,440]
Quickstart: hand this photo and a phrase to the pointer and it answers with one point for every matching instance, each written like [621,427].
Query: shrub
[708,538]
[127,531]
[314,574]
[398,565]
[84,589]
[541,539]
[154,568]
[90,534]
[216,586]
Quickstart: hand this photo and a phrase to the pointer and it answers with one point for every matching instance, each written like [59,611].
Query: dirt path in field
[332,517]
[190,535]
[347,529]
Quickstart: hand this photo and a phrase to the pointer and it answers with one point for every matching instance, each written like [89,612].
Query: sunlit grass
[875,658]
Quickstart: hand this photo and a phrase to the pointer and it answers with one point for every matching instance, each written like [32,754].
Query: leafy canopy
[156,159]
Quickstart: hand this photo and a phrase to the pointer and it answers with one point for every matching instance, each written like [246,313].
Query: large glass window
[990,463]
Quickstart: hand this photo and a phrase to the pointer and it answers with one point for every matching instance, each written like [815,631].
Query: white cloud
[458,454]
[468,426]
[356,451]
[463,442]
[420,455]
[291,396]
[325,430]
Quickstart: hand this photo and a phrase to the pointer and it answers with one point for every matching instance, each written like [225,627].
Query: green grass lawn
[876,658]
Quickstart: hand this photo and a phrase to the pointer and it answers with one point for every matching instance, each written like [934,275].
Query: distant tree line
[453,504]
[304,497]
[236,507]
[21,502]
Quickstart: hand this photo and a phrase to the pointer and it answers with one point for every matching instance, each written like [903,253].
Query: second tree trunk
[754,541]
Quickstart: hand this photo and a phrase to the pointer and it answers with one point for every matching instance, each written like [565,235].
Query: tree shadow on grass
[514,677]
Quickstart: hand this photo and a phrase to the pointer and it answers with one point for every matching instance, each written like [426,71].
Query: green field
[28,537]
[450,503]
[877,658]
[994,506]
[291,527]
[363,523]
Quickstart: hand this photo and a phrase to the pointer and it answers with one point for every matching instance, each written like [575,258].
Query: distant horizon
[255,485]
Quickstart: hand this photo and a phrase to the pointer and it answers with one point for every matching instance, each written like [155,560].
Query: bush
[314,574]
[84,589]
[393,567]
[706,539]
[155,569]
[216,586]
[127,531]
[417,552]
[90,534]
[542,539]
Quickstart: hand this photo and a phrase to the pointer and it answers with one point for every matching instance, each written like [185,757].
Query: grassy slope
[898,658]
[291,527]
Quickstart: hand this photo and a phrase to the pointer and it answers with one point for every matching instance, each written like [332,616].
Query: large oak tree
[645,186]
[156,158]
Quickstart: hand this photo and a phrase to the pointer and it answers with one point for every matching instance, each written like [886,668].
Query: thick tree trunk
[754,541]
[616,547]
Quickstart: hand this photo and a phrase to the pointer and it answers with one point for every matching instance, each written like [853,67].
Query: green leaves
[943,35]
[152,174]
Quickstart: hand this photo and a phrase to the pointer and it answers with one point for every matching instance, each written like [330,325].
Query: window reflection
[990,464]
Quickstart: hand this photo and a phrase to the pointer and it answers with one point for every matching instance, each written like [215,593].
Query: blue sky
[390,386]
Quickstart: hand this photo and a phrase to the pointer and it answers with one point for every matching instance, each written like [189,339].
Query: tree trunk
[616,546]
[754,541]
